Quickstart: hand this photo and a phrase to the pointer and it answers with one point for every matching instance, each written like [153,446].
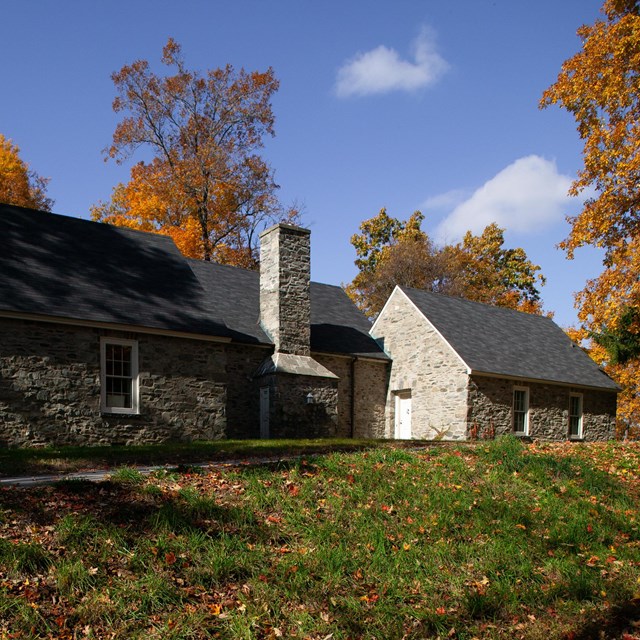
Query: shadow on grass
[15,462]
[126,506]
[617,622]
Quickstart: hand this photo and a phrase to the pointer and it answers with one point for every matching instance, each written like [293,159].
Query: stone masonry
[491,400]
[285,314]
[285,277]
[362,388]
[424,365]
[50,388]
[292,415]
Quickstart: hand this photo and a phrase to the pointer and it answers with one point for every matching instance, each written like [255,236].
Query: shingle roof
[87,271]
[501,341]
[66,267]
[337,326]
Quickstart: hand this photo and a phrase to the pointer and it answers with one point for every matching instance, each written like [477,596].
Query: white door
[403,416]
[264,412]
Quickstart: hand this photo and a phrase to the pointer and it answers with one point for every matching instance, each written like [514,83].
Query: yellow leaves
[18,184]
[600,87]
[392,252]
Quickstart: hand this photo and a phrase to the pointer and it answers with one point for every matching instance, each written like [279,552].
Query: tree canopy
[20,185]
[393,252]
[600,87]
[205,185]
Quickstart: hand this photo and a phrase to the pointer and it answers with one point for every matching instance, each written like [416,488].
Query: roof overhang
[293,364]
[75,322]
[557,383]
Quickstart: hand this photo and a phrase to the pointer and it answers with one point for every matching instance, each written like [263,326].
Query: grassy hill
[498,540]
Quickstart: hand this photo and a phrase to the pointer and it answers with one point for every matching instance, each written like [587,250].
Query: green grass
[14,462]
[499,540]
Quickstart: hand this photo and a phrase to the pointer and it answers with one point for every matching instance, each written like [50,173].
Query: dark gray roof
[77,269]
[88,271]
[337,326]
[500,341]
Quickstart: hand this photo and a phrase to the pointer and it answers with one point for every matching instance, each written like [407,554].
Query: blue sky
[403,104]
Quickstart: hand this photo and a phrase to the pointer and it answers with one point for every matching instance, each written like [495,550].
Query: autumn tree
[482,269]
[392,252]
[19,185]
[206,185]
[600,87]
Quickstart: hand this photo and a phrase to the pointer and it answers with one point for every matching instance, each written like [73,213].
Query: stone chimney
[285,276]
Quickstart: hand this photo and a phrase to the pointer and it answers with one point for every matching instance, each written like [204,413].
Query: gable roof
[76,269]
[70,268]
[499,341]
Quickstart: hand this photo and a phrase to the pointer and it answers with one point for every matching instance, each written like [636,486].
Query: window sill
[119,414]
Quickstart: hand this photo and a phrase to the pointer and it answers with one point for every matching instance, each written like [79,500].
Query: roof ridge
[476,302]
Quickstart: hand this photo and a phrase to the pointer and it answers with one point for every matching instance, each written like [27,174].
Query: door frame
[402,398]
[265,398]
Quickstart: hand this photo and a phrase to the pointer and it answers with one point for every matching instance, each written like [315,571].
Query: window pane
[520,410]
[574,426]
[118,376]
[126,361]
[575,416]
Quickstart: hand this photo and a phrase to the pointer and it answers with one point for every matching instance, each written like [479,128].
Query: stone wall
[243,390]
[50,388]
[424,365]
[369,390]
[372,383]
[341,367]
[491,400]
[189,390]
[290,416]
[285,275]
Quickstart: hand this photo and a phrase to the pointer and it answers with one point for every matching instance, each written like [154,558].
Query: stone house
[463,369]
[110,336]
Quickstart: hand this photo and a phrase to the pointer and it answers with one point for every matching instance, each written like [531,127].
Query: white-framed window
[118,375]
[575,415]
[521,410]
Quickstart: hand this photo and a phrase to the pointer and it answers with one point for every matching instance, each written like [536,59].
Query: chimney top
[285,281]
[284,226]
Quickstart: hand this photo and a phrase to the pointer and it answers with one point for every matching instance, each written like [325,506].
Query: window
[575,415]
[521,410]
[119,375]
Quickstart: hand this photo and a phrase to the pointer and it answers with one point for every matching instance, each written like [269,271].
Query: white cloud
[527,196]
[444,201]
[381,70]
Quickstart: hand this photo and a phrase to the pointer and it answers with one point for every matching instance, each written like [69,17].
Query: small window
[521,410]
[119,375]
[575,415]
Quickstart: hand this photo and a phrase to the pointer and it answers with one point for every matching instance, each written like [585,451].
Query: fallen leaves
[308,546]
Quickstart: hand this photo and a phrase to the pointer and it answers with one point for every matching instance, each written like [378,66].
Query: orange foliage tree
[392,252]
[20,185]
[205,186]
[600,87]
